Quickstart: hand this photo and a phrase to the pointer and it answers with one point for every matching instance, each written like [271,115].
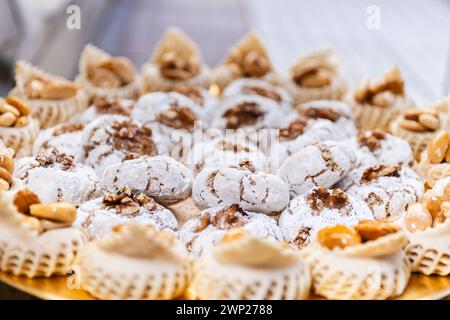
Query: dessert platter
[181,181]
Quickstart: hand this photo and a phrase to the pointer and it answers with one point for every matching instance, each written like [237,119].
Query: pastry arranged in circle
[252,190]
[363,262]
[323,164]
[176,60]
[320,207]
[37,239]
[202,233]
[104,76]
[56,177]
[51,99]
[161,177]
[316,77]
[245,267]
[378,102]
[99,216]
[155,263]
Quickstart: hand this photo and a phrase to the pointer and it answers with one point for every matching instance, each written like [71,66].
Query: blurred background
[369,35]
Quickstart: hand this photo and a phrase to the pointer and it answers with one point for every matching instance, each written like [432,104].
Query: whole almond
[411,125]
[58,91]
[429,121]
[5,175]
[5,107]
[316,79]
[18,104]
[383,99]
[7,119]
[23,199]
[437,149]
[21,122]
[104,78]
[414,114]
[4,185]
[362,91]
[7,162]
[59,212]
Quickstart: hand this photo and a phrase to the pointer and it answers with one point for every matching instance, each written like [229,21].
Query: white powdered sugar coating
[272,115]
[161,177]
[199,242]
[322,164]
[225,152]
[392,150]
[98,220]
[300,222]
[56,183]
[387,196]
[255,191]
[91,113]
[67,142]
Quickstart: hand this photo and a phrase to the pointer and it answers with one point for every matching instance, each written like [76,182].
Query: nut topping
[127,203]
[371,139]
[111,73]
[55,157]
[108,106]
[40,88]
[255,65]
[321,198]
[178,117]
[266,93]
[13,113]
[373,229]
[420,120]
[192,92]
[133,138]
[339,236]
[23,199]
[439,147]
[319,113]
[247,165]
[378,171]
[295,128]
[224,219]
[174,67]
[58,212]
[68,128]
[245,113]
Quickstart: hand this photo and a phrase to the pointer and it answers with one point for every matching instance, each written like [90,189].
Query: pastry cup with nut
[37,239]
[7,167]
[428,225]
[435,159]
[316,77]
[419,126]
[51,99]
[246,59]
[363,262]
[245,267]
[104,76]
[135,262]
[175,61]
[18,129]
[378,102]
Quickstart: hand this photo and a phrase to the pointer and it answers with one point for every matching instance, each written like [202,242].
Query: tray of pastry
[234,182]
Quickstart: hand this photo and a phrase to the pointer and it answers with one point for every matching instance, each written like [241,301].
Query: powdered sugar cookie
[55,177]
[204,232]
[320,207]
[322,164]
[255,191]
[65,137]
[161,177]
[99,216]
[110,138]
[105,106]
[387,189]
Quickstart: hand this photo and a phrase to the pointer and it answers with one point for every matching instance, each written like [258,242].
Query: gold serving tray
[56,288]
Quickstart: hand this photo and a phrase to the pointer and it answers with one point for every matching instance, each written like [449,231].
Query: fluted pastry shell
[173,40]
[361,272]
[90,55]
[431,172]
[48,112]
[251,268]
[18,138]
[229,69]
[429,250]
[25,252]
[136,263]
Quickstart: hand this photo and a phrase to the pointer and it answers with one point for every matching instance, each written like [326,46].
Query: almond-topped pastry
[428,224]
[435,159]
[246,59]
[379,147]
[56,177]
[308,213]
[387,189]
[322,164]
[378,102]
[104,76]
[202,233]
[64,137]
[51,99]
[18,129]
[363,262]
[420,126]
[135,262]
[160,177]
[110,138]
[242,184]
[99,216]
[176,60]
[105,106]
[245,267]
[37,239]
[316,77]
[6,170]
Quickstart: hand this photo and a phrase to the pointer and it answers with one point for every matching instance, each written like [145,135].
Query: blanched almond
[437,149]
[5,175]
[19,105]
[413,114]
[317,79]
[383,99]
[7,119]
[429,121]
[7,162]
[59,212]
[411,125]
[5,107]
[58,91]
[21,122]
[417,218]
